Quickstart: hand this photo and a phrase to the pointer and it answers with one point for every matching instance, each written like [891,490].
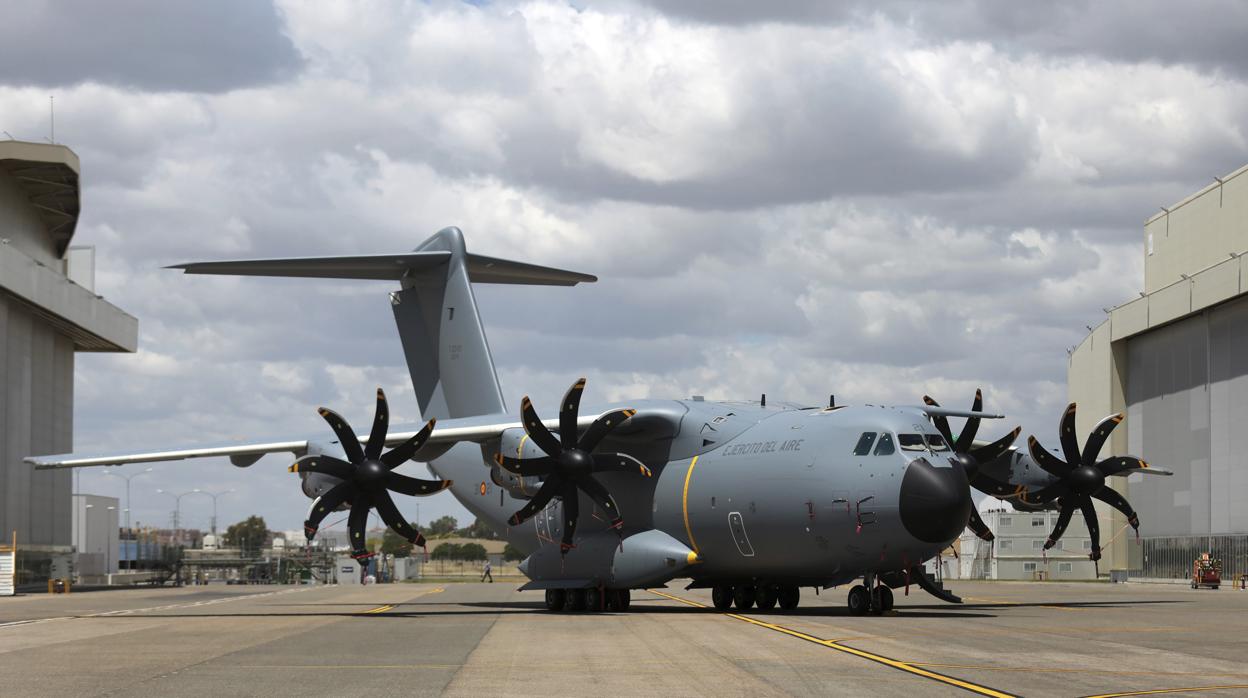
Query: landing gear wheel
[858,600]
[576,600]
[555,599]
[882,599]
[593,600]
[765,598]
[721,596]
[617,600]
[743,597]
[788,597]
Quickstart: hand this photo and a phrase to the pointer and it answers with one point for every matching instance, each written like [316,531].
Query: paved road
[474,639]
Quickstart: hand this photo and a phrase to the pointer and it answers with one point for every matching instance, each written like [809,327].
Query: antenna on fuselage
[831,401]
[762,401]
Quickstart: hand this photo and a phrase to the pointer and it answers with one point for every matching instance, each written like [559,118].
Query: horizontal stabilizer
[391,267]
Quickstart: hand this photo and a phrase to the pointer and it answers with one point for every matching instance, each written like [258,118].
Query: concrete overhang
[91,322]
[48,174]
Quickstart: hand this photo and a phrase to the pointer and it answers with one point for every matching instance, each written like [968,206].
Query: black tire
[765,598]
[721,596]
[789,597]
[626,598]
[858,600]
[743,597]
[882,599]
[593,600]
[555,599]
[576,600]
[617,600]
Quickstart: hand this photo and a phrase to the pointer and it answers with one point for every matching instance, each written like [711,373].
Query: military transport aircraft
[750,499]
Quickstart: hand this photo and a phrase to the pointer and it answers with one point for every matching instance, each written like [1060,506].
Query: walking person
[485,572]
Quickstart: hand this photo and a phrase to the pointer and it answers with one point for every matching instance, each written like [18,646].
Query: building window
[1007,521]
[1037,521]
[1007,544]
[1065,567]
[1029,567]
[1037,545]
[1087,544]
[864,443]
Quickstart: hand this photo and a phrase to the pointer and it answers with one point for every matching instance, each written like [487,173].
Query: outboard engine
[516,444]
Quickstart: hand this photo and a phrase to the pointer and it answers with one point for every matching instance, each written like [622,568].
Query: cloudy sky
[877,200]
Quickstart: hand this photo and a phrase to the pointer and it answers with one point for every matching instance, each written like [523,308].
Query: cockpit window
[911,442]
[936,442]
[864,443]
[885,446]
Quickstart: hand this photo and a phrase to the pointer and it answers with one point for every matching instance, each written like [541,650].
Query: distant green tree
[248,535]
[396,545]
[443,526]
[512,554]
[446,551]
[478,529]
[472,551]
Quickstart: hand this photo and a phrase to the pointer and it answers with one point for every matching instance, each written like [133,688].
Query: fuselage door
[737,525]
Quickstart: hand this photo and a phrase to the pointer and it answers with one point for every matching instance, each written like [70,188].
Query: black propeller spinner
[970,457]
[1081,478]
[568,465]
[366,479]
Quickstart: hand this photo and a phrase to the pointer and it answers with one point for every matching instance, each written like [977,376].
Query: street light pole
[128,478]
[177,509]
[214,496]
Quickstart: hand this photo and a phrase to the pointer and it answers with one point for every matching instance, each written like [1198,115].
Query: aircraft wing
[243,454]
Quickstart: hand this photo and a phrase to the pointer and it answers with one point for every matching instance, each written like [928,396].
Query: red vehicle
[1206,572]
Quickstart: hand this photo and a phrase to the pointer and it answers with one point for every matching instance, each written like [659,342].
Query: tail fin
[447,354]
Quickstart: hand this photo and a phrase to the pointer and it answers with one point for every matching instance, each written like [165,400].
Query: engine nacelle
[316,484]
[515,443]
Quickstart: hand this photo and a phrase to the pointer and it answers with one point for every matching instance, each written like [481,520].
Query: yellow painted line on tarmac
[1156,691]
[835,645]
[1061,670]
[390,606]
[380,609]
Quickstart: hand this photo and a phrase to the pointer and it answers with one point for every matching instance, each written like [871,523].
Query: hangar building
[48,311]
[1175,360]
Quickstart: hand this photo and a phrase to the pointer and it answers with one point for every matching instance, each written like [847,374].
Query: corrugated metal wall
[36,417]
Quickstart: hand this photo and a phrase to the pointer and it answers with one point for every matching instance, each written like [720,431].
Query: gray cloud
[173,45]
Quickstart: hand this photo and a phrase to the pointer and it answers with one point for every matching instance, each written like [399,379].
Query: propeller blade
[324,504]
[1119,464]
[986,454]
[1051,463]
[1094,527]
[971,428]
[996,488]
[526,467]
[1070,440]
[414,487]
[942,424]
[357,521]
[619,463]
[1063,520]
[1047,494]
[601,427]
[1117,501]
[1097,438]
[394,519]
[571,511]
[544,494]
[590,486]
[536,430]
[346,437]
[323,464]
[381,418]
[403,452]
[568,412]
[977,525]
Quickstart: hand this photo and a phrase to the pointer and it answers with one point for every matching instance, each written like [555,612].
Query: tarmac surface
[1045,639]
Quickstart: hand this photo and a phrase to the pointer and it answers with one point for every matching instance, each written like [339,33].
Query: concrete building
[48,311]
[1018,551]
[1175,360]
[96,529]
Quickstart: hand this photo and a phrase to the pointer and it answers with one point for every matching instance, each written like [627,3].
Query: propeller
[568,465]
[971,457]
[367,479]
[1081,478]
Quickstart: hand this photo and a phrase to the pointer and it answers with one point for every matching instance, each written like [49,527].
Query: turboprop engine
[516,444]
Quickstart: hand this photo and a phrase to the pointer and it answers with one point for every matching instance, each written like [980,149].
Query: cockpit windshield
[922,442]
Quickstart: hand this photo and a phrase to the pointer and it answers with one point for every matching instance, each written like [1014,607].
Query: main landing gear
[745,596]
[592,599]
[870,598]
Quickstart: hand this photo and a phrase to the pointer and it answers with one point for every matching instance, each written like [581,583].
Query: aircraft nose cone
[935,503]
